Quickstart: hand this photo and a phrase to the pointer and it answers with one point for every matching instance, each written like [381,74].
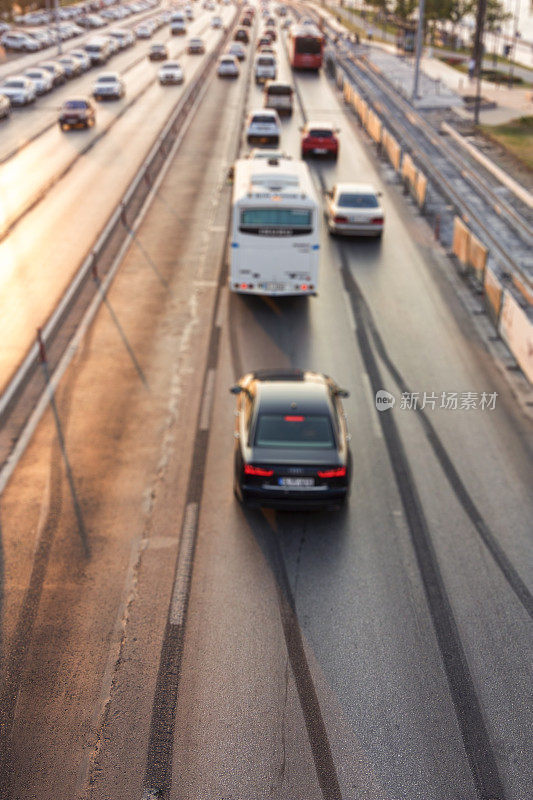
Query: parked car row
[30,41]
[81,12]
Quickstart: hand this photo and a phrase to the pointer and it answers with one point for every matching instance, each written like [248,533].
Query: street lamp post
[419,42]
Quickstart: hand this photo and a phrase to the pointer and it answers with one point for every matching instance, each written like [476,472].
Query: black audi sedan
[291,442]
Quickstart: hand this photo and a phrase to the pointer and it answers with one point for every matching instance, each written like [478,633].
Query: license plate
[275,287]
[321,151]
[263,139]
[297,482]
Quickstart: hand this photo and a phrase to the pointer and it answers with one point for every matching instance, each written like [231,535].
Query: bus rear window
[276,218]
[308,44]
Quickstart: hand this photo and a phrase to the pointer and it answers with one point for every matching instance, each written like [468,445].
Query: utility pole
[419,43]
[477,55]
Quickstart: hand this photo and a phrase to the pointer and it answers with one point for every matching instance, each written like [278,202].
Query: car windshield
[321,133]
[75,104]
[265,61]
[107,79]
[15,84]
[358,200]
[33,73]
[263,119]
[294,431]
[171,65]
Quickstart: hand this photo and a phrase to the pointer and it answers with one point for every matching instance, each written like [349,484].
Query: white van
[266,67]
[278,95]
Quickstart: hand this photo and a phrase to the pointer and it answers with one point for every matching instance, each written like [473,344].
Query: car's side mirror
[342,393]
[236,389]
[328,193]
[231,174]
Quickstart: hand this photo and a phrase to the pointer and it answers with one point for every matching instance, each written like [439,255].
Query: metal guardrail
[99,260]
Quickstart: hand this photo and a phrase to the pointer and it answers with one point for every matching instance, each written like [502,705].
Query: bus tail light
[337,472]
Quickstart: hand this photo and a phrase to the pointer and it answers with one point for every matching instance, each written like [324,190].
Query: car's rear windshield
[107,79]
[358,200]
[279,89]
[263,119]
[294,431]
[266,61]
[75,104]
[321,133]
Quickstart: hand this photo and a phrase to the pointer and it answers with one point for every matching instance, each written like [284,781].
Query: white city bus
[275,235]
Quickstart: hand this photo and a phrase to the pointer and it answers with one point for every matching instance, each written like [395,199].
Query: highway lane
[28,122]
[359,594]
[367,638]
[63,622]
[43,251]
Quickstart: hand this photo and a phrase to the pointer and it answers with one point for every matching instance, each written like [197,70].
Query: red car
[320,138]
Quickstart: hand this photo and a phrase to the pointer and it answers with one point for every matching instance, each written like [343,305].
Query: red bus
[306,47]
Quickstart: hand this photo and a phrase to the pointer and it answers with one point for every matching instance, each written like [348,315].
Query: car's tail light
[259,472]
[337,472]
[294,418]
[340,219]
[377,221]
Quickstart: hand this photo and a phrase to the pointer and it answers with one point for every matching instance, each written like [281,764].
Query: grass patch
[516,137]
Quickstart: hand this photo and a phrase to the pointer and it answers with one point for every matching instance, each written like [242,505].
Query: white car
[108,86]
[41,78]
[170,73]
[354,209]
[82,58]
[19,42]
[19,89]
[216,22]
[228,67]
[263,127]
[237,49]
[5,106]
[143,31]
[265,68]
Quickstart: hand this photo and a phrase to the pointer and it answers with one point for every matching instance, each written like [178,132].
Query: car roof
[263,112]
[365,188]
[282,396]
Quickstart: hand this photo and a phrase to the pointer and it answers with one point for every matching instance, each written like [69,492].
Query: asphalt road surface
[379,653]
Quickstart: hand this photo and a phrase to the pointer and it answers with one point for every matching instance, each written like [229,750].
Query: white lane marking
[349,309]
[376,427]
[208,400]
[205,284]
[183,575]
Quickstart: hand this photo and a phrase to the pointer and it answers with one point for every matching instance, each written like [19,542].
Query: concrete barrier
[461,235]
[477,257]
[347,92]
[374,126]
[516,329]
[392,148]
[421,188]
[493,295]
[470,252]
[523,288]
